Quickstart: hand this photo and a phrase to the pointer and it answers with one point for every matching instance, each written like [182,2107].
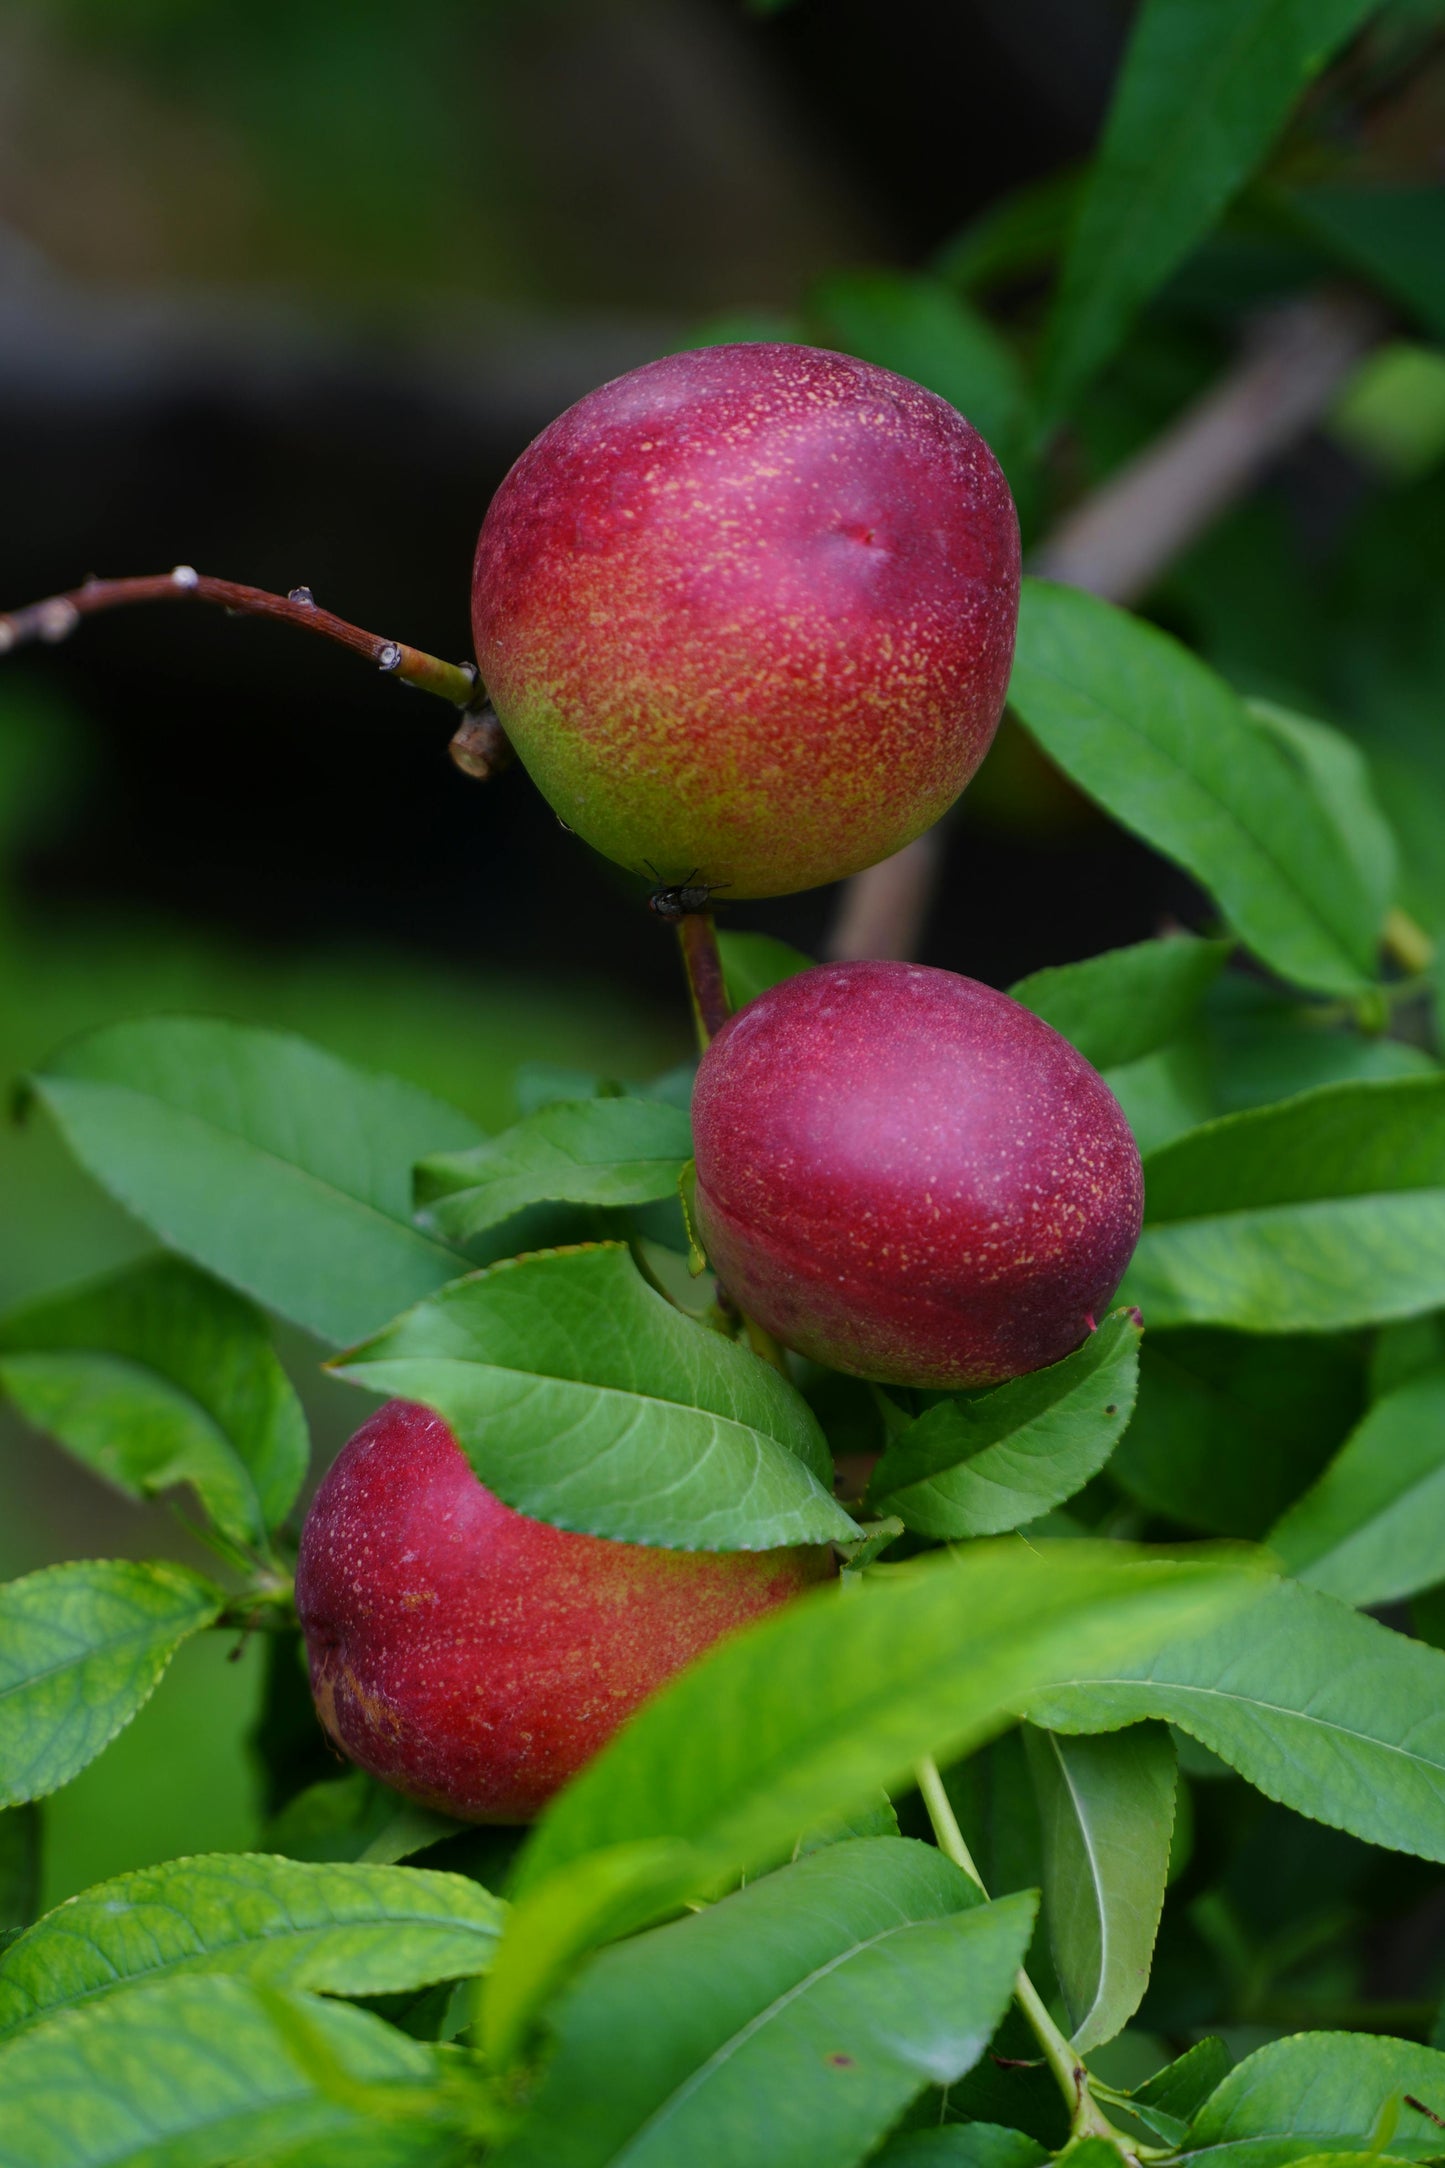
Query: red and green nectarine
[747,614]
[907,1175]
[474,1658]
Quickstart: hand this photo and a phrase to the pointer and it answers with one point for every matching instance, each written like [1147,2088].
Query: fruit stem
[702,961]
[1086,2118]
[57,617]
[707,987]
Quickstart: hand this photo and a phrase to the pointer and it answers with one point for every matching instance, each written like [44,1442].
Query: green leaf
[1146,729]
[587,1151]
[585,1399]
[1264,1045]
[279,1168]
[807,1713]
[157,1376]
[1339,775]
[1321,1213]
[1120,1006]
[752,962]
[1372,1529]
[203,2073]
[1317,1706]
[806,2010]
[1164,1094]
[1228,1427]
[780,1729]
[1106,1809]
[20,1847]
[338,1930]
[962,2145]
[1320,2092]
[1181,2088]
[1020,233]
[924,330]
[1205,87]
[595,1899]
[1395,236]
[974,1467]
[81,1649]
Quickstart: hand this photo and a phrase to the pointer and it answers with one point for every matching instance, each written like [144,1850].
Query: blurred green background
[284,290]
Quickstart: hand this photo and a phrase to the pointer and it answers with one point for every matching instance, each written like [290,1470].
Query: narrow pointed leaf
[1318,2093]
[811,2006]
[160,1375]
[339,1930]
[1151,733]
[82,1648]
[1318,1707]
[1372,1529]
[204,2073]
[588,1151]
[585,1399]
[281,1169]
[1106,1809]
[1205,87]
[1324,1212]
[1127,1003]
[974,1467]
[809,1712]
[807,1715]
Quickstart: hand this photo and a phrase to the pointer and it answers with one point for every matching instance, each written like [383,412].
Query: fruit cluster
[747,616]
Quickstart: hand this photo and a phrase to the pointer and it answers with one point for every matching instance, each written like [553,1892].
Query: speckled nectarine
[473,1658]
[907,1175]
[748,614]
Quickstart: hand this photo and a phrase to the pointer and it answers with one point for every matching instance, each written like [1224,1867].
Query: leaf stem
[58,616]
[1086,2118]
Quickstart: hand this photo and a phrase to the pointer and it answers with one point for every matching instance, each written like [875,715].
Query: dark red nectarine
[907,1175]
[473,1658]
[748,613]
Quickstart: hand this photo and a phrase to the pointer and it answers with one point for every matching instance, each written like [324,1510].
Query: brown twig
[58,616]
[1119,540]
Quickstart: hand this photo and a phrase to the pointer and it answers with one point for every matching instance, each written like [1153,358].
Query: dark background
[665,161]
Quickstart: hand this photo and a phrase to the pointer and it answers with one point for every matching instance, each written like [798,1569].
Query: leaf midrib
[1247,1701]
[638,1402]
[196,1961]
[678,2098]
[211,1128]
[1096,1881]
